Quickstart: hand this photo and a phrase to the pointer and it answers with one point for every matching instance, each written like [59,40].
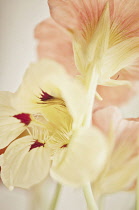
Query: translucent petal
[115,181]
[10,127]
[82,160]
[112,82]
[9,132]
[120,56]
[47,75]
[121,169]
[23,167]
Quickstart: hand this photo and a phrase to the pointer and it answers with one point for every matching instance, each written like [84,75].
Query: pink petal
[55,43]
[105,117]
[116,95]
[76,14]
[121,94]
[110,117]
[84,15]
[125,16]
[125,140]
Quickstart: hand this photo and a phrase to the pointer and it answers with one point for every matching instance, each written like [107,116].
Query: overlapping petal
[11,124]
[84,15]
[82,160]
[121,170]
[111,95]
[120,94]
[105,35]
[22,167]
[44,79]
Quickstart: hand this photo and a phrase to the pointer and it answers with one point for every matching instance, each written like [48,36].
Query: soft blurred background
[18,19]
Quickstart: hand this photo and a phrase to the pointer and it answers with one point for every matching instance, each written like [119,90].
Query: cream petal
[93,54]
[7,111]
[120,56]
[1,159]
[100,37]
[58,117]
[119,180]
[6,98]
[10,126]
[76,99]
[112,82]
[10,132]
[47,75]
[24,168]
[83,159]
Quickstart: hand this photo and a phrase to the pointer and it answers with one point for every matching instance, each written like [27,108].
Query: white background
[18,19]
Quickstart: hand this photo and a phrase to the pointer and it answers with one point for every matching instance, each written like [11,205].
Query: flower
[105,35]
[56,142]
[49,35]
[121,169]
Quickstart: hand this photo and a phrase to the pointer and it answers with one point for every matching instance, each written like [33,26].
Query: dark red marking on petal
[65,145]
[45,96]
[24,118]
[36,144]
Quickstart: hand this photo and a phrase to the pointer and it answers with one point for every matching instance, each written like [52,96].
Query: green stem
[55,197]
[91,203]
[91,97]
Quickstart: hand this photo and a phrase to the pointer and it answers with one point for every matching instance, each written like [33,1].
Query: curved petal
[55,43]
[84,18]
[120,56]
[106,117]
[131,72]
[83,159]
[6,98]
[80,15]
[9,132]
[120,94]
[83,15]
[10,124]
[121,179]
[22,167]
[124,18]
[122,165]
[43,79]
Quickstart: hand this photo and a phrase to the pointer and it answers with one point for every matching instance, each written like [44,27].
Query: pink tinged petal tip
[24,118]
[45,96]
[36,144]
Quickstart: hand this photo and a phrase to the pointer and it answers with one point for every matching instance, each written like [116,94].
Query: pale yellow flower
[56,141]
